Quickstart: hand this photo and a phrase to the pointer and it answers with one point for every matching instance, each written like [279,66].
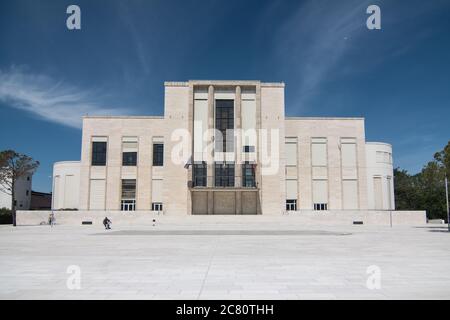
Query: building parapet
[123,117]
[223,83]
[379,143]
[325,118]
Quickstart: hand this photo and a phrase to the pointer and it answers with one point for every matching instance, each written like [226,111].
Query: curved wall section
[380,176]
[66,185]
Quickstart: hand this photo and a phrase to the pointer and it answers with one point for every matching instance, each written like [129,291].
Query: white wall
[380,166]
[66,185]
[297,219]
[324,167]
[23,198]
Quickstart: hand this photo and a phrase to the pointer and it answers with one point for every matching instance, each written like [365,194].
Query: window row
[291,205]
[224,175]
[130,205]
[320,197]
[129,153]
[128,199]
[319,152]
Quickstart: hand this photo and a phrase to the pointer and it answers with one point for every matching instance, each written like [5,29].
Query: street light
[446,196]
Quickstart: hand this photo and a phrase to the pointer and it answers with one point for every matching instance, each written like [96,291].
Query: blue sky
[398,77]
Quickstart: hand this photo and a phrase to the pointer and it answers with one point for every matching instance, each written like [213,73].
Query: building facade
[225,147]
[22,194]
[40,200]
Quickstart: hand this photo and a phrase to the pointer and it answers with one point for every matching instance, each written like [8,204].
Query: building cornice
[379,143]
[223,83]
[123,117]
[324,118]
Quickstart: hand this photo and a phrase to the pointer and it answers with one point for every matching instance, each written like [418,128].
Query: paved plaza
[224,261]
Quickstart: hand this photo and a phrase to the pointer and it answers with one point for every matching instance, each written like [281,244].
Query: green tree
[432,191]
[406,190]
[13,166]
[425,190]
[443,158]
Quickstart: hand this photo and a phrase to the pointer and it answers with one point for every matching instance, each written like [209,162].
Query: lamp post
[446,196]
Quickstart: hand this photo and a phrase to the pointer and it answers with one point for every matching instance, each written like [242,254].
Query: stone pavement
[225,261]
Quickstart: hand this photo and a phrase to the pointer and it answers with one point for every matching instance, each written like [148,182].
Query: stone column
[211,126]
[238,140]
[190,117]
[258,147]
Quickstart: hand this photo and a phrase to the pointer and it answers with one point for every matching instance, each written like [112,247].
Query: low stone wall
[304,217]
[367,217]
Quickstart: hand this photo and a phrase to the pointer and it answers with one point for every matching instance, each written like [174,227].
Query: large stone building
[225,147]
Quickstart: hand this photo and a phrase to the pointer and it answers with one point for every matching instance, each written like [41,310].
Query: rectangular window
[199,174]
[129,151]
[224,175]
[291,151]
[157,206]
[320,206]
[157,190]
[200,125]
[348,154]
[129,158]
[99,153]
[248,111]
[350,194]
[225,125]
[128,202]
[291,205]
[383,157]
[128,205]
[320,194]
[248,175]
[319,151]
[248,149]
[158,154]
[291,188]
[128,188]
[97,194]
[378,192]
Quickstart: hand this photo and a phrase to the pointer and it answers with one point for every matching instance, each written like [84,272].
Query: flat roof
[379,143]
[223,83]
[162,117]
[324,118]
[122,117]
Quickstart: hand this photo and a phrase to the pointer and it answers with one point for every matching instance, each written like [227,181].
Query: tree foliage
[426,189]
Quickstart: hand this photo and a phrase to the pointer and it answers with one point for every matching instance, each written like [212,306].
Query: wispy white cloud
[315,38]
[142,54]
[50,99]
[317,41]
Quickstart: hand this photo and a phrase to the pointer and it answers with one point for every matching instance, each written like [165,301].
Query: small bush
[5,216]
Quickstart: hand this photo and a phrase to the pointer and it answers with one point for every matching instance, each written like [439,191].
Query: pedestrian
[51,219]
[107,223]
